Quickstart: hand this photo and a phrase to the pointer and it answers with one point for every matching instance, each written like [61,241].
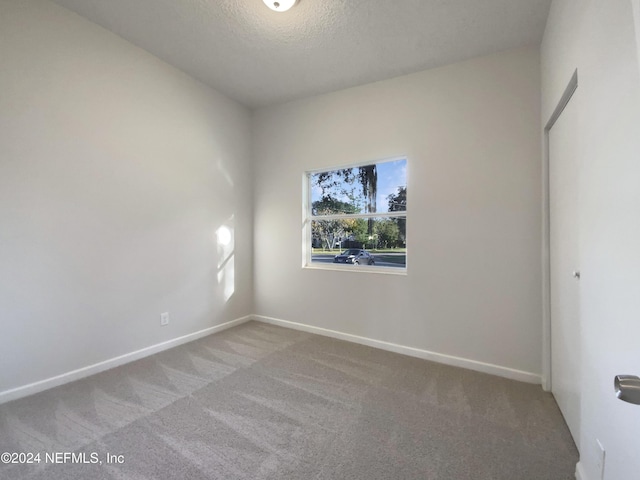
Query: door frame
[635,6]
[546,239]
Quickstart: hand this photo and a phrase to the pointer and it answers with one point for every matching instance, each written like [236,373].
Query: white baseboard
[48,383]
[580,473]
[36,387]
[413,352]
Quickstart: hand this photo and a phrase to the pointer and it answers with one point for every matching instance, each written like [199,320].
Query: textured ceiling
[260,57]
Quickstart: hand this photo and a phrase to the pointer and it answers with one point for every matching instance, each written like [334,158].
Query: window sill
[357,269]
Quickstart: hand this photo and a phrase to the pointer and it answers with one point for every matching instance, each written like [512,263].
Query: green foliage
[330,206]
[359,186]
[331,231]
[334,182]
[347,191]
[398,203]
[360,231]
[328,231]
[387,233]
[359,226]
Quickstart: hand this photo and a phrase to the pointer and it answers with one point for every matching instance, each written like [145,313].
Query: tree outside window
[359,207]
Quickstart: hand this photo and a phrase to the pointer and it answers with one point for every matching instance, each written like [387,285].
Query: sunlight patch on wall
[226,265]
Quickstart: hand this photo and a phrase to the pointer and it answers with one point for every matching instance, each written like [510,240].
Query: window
[356,217]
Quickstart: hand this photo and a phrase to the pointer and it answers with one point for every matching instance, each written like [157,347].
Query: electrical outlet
[601,455]
[164,319]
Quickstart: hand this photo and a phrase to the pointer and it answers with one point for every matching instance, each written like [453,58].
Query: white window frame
[307,218]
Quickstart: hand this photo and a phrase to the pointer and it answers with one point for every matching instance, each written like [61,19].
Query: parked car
[355,256]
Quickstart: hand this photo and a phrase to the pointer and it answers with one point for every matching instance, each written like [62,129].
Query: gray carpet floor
[263,402]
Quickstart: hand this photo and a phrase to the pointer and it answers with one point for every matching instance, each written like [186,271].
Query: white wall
[116,170]
[598,39]
[471,133]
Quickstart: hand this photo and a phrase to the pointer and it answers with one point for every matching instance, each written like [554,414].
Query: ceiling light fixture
[280,5]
